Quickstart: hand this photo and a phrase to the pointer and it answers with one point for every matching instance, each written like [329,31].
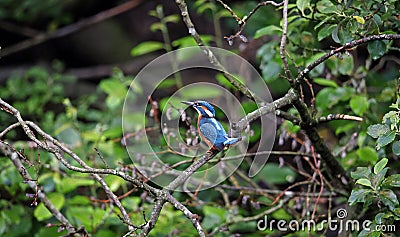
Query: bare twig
[283,41]
[347,46]
[331,117]
[193,32]
[242,22]
[41,38]
[272,191]
[162,196]
[21,30]
[15,159]
[287,99]
[57,153]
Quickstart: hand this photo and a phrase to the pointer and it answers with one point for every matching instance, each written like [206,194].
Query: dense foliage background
[67,66]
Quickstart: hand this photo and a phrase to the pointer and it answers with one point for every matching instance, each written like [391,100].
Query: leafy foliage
[352,83]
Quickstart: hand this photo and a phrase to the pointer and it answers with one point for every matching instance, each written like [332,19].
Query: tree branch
[343,48]
[193,32]
[15,159]
[56,152]
[283,41]
[287,99]
[54,146]
[41,38]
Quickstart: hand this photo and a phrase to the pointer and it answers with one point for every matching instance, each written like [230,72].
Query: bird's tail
[231,140]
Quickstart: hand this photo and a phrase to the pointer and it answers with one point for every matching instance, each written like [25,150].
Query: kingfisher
[210,130]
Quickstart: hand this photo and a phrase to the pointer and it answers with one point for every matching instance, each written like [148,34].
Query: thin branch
[268,211]
[345,47]
[285,115]
[192,217]
[229,9]
[153,218]
[242,22]
[8,129]
[189,171]
[41,38]
[15,159]
[287,99]
[161,195]
[56,152]
[272,191]
[283,41]
[331,117]
[211,57]
[21,30]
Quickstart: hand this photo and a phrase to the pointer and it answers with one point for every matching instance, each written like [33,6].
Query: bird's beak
[188,103]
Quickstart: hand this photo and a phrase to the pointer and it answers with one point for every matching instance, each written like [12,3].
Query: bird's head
[204,108]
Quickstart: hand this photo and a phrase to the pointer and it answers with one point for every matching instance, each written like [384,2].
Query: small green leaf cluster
[36,11]
[387,132]
[377,189]
[82,123]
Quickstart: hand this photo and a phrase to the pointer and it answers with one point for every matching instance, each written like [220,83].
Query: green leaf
[268,30]
[86,215]
[377,49]
[114,182]
[69,135]
[132,203]
[293,129]
[376,130]
[389,198]
[68,184]
[270,71]
[189,41]
[326,82]
[275,174]
[341,66]
[113,132]
[326,7]
[380,165]
[200,92]
[213,216]
[172,18]
[302,5]
[396,148]
[359,104]
[359,195]
[41,213]
[146,47]
[114,87]
[335,36]
[328,97]
[361,172]
[377,20]
[341,35]
[359,19]
[205,7]
[367,154]
[325,31]
[156,26]
[386,138]
[364,182]
[379,177]
[78,200]
[392,180]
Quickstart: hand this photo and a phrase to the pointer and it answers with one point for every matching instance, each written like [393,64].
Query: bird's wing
[209,132]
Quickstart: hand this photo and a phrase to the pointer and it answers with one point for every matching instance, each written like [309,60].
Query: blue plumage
[209,128]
